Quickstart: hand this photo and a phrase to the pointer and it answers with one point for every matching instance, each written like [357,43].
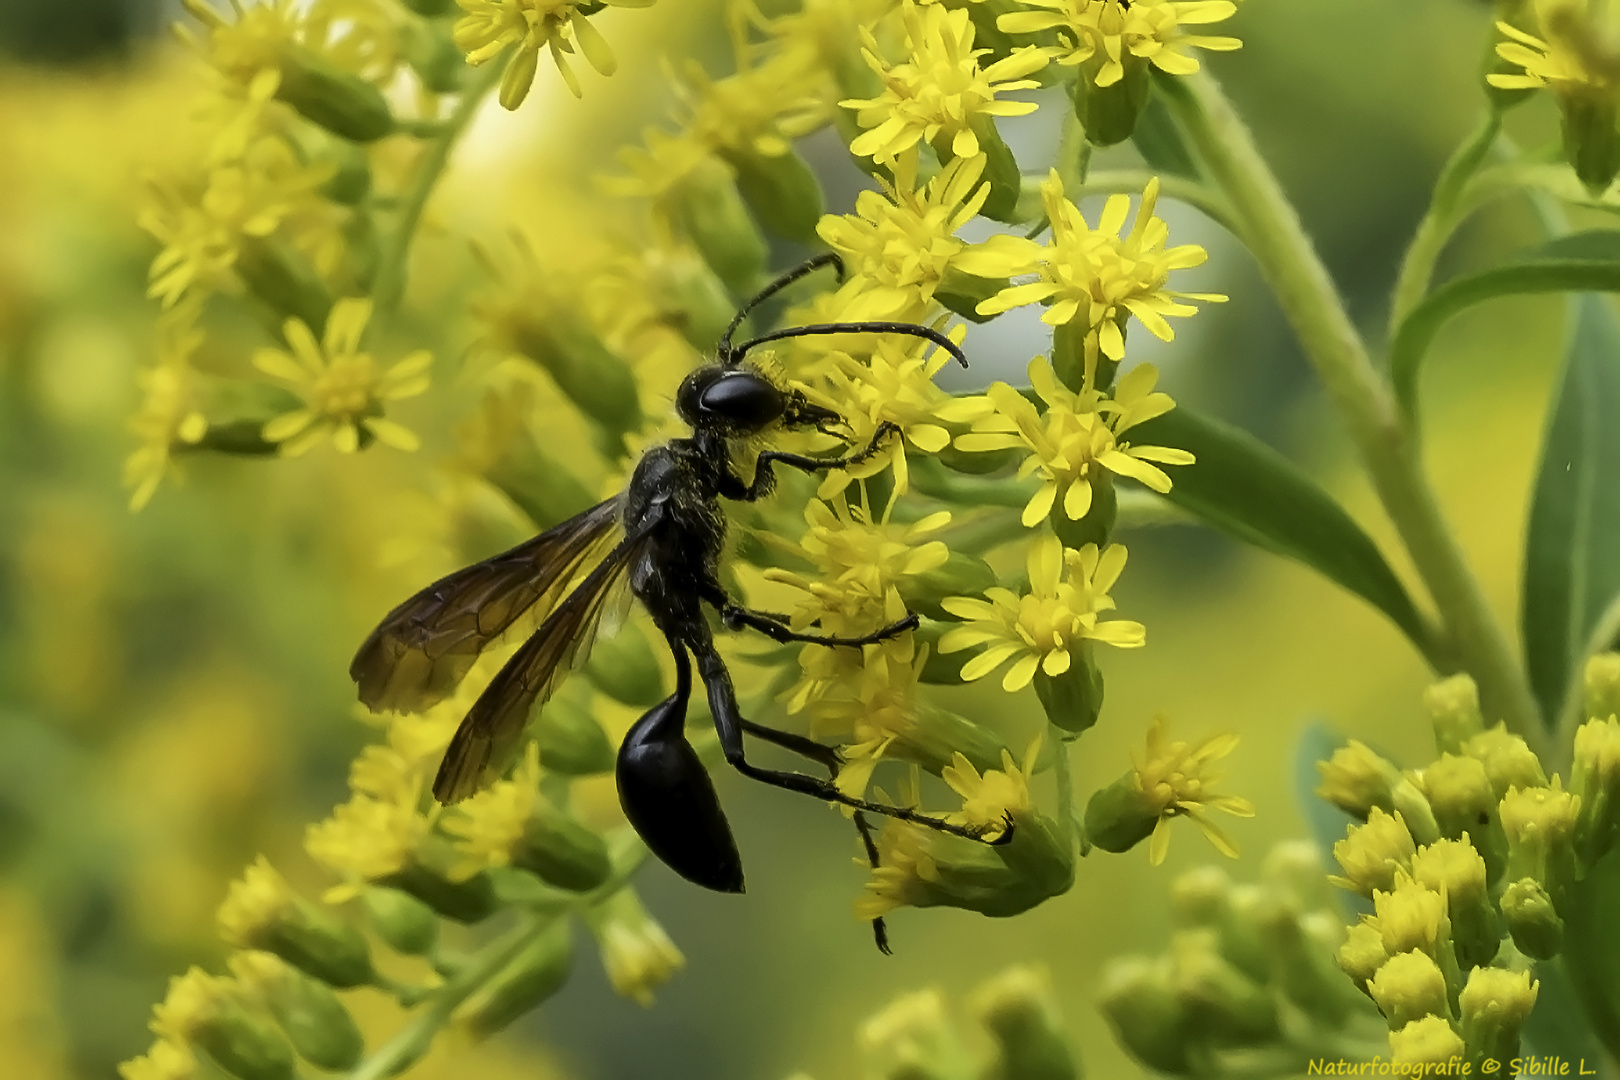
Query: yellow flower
[365,839]
[906,869]
[166,1060]
[193,1000]
[342,388]
[757,110]
[1176,777]
[1578,58]
[899,244]
[1077,437]
[250,47]
[170,410]
[491,824]
[491,26]
[636,951]
[259,899]
[997,796]
[939,93]
[1091,275]
[1041,628]
[868,710]
[1150,31]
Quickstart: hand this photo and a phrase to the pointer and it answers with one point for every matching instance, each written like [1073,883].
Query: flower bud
[1370,854]
[1532,919]
[1495,1005]
[1596,783]
[1601,682]
[1098,524]
[1456,871]
[571,741]
[338,101]
[625,668]
[1453,706]
[1409,987]
[1540,827]
[283,279]
[1414,807]
[782,191]
[1294,867]
[1140,1001]
[1591,141]
[1301,968]
[1426,1041]
[469,900]
[1413,918]
[205,1012]
[1464,801]
[593,377]
[637,954]
[261,912]
[1121,815]
[912,1039]
[538,970]
[1073,700]
[1017,1009]
[1218,996]
[707,208]
[1109,113]
[561,851]
[310,1014]
[1247,933]
[1355,779]
[404,922]
[1201,897]
[351,180]
[1362,953]
[1042,861]
[1508,760]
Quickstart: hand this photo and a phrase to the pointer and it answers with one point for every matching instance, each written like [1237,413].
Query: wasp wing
[419,653]
[494,725]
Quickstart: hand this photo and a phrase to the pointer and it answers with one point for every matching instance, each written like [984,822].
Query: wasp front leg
[765,477]
[776,627]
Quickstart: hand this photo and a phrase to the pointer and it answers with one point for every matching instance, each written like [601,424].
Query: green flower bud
[1042,862]
[1121,815]
[1456,871]
[1413,918]
[1413,806]
[284,280]
[351,181]
[690,297]
[1098,524]
[1601,682]
[1000,171]
[1201,897]
[1109,113]
[1596,783]
[571,741]
[1370,854]
[1409,987]
[1591,141]
[637,954]
[1465,801]
[1453,706]
[1148,1017]
[408,925]
[1294,867]
[338,101]
[1495,1005]
[561,851]
[310,1014]
[529,978]
[261,912]
[1508,760]
[1355,780]
[1540,827]
[469,901]
[1073,700]
[782,191]
[935,736]
[1362,953]
[625,668]
[205,1012]
[708,209]
[1017,1009]
[1532,919]
[1247,932]
[960,575]
[1218,996]
[912,1039]
[1429,1040]
[1297,963]
[962,293]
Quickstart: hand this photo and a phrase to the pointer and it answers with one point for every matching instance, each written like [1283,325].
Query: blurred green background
[173,695]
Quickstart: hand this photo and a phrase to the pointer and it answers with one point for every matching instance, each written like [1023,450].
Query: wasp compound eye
[668,796]
[743,399]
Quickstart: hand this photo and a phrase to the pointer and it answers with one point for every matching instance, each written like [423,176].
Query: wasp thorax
[734,398]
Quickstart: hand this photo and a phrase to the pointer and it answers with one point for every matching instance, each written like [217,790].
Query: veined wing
[494,725]
[423,648]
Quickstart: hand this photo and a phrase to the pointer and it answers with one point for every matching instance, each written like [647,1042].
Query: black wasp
[670,532]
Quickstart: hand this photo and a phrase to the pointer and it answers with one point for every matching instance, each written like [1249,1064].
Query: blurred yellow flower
[757,111]
[166,1060]
[489,27]
[1148,30]
[900,243]
[171,403]
[365,839]
[256,900]
[1076,438]
[1091,275]
[1176,778]
[491,824]
[192,1001]
[636,950]
[1578,57]
[342,387]
[1039,630]
[939,94]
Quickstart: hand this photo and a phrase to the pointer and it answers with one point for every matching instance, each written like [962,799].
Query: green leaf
[1243,487]
[1580,262]
[1589,979]
[1572,556]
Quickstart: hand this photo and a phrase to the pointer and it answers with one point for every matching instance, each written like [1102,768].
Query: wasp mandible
[665,533]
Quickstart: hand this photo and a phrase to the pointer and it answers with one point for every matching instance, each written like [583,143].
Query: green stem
[1065,788]
[1362,397]
[1446,212]
[396,252]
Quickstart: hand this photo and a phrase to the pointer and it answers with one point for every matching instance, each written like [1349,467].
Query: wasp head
[739,400]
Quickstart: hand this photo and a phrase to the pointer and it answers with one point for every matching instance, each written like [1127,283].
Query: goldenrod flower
[636,951]
[1076,438]
[365,839]
[1148,30]
[870,709]
[260,898]
[1571,60]
[342,388]
[756,111]
[1092,276]
[489,826]
[990,800]
[939,93]
[491,26]
[1176,777]
[900,243]
[905,871]
[251,47]
[1040,630]
[166,1060]
[170,409]
[193,1000]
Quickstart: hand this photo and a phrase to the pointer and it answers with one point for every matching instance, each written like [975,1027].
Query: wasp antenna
[911,329]
[730,357]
